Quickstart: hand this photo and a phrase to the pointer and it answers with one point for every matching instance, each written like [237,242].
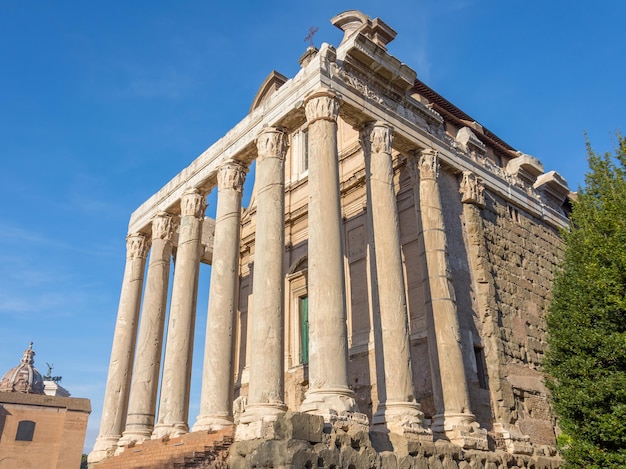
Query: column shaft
[122,353]
[266,389]
[452,402]
[176,380]
[216,401]
[141,408]
[328,347]
[397,409]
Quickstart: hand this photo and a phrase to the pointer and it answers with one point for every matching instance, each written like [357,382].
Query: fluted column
[328,392]
[143,391]
[397,411]
[452,402]
[176,380]
[216,400]
[266,389]
[122,353]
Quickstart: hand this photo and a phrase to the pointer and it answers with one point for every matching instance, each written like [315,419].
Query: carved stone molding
[137,245]
[271,143]
[321,105]
[471,189]
[163,226]
[231,175]
[377,137]
[192,204]
[428,164]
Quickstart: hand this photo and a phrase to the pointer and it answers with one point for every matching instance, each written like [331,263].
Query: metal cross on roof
[312,32]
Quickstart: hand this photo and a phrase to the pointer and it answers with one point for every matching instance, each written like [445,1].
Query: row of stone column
[130,395]
[129,406]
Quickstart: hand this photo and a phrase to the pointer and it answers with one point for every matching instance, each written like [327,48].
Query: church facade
[390,275]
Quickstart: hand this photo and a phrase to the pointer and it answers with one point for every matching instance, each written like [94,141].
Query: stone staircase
[197,450]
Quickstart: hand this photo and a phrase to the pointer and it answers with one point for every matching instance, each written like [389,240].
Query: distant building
[389,279]
[40,425]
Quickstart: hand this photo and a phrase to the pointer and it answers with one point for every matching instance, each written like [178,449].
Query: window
[481,369]
[25,430]
[304,330]
[300,154]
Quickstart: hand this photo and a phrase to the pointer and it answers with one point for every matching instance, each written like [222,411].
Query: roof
[449,110]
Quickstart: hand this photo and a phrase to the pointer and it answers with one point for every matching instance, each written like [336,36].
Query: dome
[24,377]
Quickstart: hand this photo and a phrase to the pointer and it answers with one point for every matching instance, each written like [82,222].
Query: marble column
[176,380]
[122,353]
[397,411]
[266,322]
[144,386]
[328,394]
[216,400]
[454,419]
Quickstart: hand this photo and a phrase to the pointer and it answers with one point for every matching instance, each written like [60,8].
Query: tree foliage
[586,360]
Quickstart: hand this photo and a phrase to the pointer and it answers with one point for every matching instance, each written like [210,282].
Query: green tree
[586,359]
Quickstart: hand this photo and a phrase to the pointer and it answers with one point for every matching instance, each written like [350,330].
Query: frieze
[271,143]
[137,245]
[231,175]
[192,204]
[391,97]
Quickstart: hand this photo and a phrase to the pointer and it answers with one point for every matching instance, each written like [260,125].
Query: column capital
[321,104]
[471,189]
[231,175]
[428,164]
[163,226]
[137,245]
[192,204]
[271,143]
[377,137]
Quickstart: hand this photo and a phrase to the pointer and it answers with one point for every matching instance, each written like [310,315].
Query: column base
[212,423]
[103,448]
[257,421]
[402,418]
[171,430]
[461,430]
[132,438]
[511,439]
[329,402]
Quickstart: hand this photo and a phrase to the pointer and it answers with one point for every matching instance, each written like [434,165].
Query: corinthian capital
[428,164]
[471,189]
[137,245]
[163,226]
[231,175]
[192,204]
[271,143]
[321,105]
[378,136]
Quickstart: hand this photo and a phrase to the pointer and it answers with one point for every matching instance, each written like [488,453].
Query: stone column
[141,408]
[397,411]
[176,381]
[328,394]
[454,419]
[216,400]
[123,351]
[266,389]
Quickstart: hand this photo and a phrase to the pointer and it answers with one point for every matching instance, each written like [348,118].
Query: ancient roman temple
[383,294]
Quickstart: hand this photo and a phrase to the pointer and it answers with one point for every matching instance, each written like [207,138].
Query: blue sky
[101,103]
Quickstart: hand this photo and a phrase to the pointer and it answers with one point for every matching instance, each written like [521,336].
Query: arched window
[25,430]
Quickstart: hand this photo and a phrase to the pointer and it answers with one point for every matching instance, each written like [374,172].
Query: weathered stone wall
[523,254]
[297,440]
